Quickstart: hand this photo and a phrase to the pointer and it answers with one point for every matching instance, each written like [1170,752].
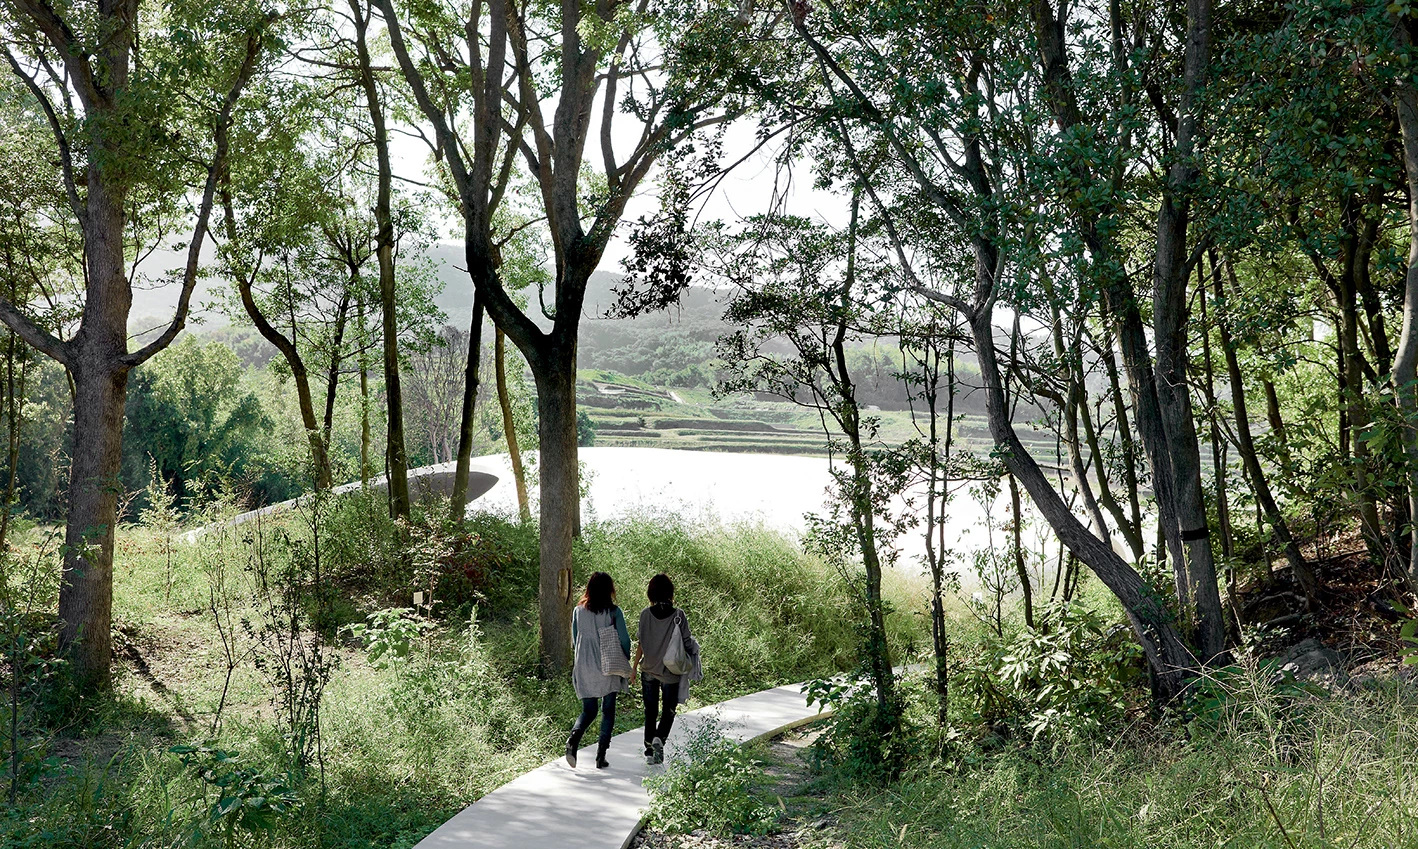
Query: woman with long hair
[664,689]
[592,671]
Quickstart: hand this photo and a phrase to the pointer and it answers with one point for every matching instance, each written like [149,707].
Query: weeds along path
[555,806]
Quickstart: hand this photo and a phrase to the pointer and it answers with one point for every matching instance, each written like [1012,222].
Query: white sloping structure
[424,482]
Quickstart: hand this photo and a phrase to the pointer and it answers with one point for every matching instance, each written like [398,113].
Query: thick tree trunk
[1405,369]
[86,593]
[458,502]
[1171,661]
[560,507]
[509,426]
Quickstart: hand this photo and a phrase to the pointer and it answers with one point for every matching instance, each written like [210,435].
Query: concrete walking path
[557,807]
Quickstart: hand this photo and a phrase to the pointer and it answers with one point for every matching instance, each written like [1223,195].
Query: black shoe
[649,753]
[571,752]
[657,751]
[602,763]
[601,748]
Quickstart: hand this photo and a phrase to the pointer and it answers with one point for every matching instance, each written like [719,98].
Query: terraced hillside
[629,412]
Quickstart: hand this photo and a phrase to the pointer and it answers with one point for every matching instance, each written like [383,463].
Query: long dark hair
[600,593]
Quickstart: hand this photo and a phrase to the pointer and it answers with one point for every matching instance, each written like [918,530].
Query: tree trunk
[509,426]
[1304,575]
[398,456]
[14,403]
[332,379]
[1218,447]
[471,377]
[1167,653]
[86,593]
[1129,448]
[560,506]
[364,433]
[1016,534]
[1196,578]
[1405,369]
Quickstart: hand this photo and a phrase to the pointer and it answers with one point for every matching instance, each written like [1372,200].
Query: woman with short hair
[663,689]
[596,611]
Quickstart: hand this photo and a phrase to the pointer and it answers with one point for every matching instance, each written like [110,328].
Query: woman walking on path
[601,665]
[657,633]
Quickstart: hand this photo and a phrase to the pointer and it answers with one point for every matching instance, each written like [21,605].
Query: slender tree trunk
[14,402]
[1219,464]
[320,458]
[1017,541]
[364,433]
[1167,653]
[332,379]
[1218,447]
[398,456]
[458,502]
[1304,574]
[939,470]
[1353,401]
[1129,448]
[1405,370]
[509,426]
[1272,414]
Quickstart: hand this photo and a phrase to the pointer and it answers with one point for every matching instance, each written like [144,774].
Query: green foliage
[246,800]
[863,740]
[389,635]
[585,429]
[711,784]
[1073,678]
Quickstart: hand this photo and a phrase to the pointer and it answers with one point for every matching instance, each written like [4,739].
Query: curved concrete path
[556,807]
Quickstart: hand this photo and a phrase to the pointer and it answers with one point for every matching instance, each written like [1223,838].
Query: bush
[1053,685]
[712,784]
[862,740]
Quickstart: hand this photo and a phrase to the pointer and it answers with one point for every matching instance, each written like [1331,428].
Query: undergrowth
[191,748]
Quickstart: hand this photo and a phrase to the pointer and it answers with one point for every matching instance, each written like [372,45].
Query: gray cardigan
[586,673]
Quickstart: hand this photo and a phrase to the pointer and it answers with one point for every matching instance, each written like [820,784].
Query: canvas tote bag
[613,659]
[677,660]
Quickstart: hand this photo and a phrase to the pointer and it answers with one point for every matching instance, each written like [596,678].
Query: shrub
[1052,685]
[713,784]
[863,740]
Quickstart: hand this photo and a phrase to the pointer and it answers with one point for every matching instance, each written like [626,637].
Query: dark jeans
[654,690]
[588,716]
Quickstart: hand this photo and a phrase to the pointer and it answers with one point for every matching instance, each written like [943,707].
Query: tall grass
[1262,766]
[407,745]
